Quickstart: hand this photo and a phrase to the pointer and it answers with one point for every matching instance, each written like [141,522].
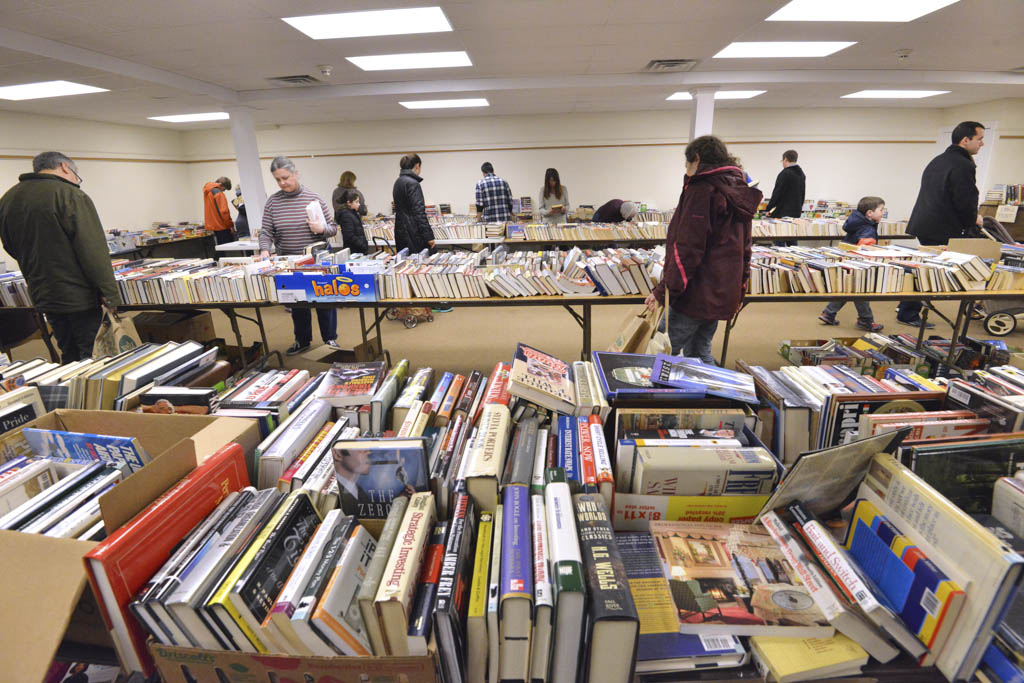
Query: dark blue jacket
[859,227]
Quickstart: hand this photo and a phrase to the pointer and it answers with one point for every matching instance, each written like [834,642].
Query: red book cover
[122,564]
[587,464]
[497,387]
[276,385]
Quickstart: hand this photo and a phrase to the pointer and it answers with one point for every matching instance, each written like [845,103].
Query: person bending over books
[287,226]
[553,200]
[707,249]
[350,222]
[860,226]
[615,211]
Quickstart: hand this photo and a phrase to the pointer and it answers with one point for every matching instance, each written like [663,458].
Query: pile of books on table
[568,232]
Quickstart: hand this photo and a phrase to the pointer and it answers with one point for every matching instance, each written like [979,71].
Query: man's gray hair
[282,162]
[48,161]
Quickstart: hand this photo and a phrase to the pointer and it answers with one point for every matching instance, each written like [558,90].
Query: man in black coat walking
[787,200]
[412,229]
[947,203]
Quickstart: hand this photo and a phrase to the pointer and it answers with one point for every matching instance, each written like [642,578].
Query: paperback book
[83,449]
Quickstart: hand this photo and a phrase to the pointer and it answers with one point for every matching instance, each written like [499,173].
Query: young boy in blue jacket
[862,224]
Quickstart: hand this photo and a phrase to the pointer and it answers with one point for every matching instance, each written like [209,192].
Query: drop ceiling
[529,56]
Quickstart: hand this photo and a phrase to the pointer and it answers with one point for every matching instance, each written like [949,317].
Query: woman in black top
[351,223]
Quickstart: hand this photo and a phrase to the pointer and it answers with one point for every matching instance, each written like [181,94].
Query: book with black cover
[628,375]
[421,618]
[452,604]
[612,624]
[966,472]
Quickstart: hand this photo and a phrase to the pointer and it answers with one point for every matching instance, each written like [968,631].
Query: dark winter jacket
[52,229]
[609,212]
[788,194]
[947,203]
[707,250]
[352,233]
[336,199]
[412,229]
[859,227]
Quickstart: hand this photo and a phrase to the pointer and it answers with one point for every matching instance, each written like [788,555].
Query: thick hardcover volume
[486,458]
[476,612]
[351,384]
[497,387]
[602,461]
[371,473]
[568,451]
[450,612]
[612,624]
[394,597]
[386,395]
[588,465]
[683,471]
[374,573]
[516,606]
[494,596]
[336,617]
[566,577]
[119,566]
[542,379]
[464,406]
[543,598]
[522,453]
[86,449]
[422,615]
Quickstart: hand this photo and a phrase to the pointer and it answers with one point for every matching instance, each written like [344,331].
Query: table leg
[729,324]
[362,323]
[44,332]
[922,327]
[233,317]
[960,315]
[263,338]
[586,331]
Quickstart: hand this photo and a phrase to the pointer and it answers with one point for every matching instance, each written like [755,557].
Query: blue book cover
[628,375]
[998,663]
[516,544]
[685,373]
[85,449]
[341,287]
[441,389]
[568,451]
[371,473]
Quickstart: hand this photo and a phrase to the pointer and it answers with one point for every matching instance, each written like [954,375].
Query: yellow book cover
[633,512]
[807,659]
[476,621]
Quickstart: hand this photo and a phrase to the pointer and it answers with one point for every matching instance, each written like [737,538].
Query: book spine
[602,460]
[453,587]
[539,463]
[426,590]
[476,612]
[284,484]
[588,466]
[399,580]
[441,390]
[375,572]
[516,570]
[494,592]
[497,385]
[334,617]
[567,451]
[541,553]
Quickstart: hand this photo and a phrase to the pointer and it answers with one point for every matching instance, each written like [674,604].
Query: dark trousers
[223,236]
[302,322]
[910,311]
[75,333]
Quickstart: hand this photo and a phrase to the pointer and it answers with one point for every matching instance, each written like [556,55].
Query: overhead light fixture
[719,95]
[857,10]
[782,49]
[37,91]
[412,60]
[386,22]
[446,104]
[189,118]
[894,94]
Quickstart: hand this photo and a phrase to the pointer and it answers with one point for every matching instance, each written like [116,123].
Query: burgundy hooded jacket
[707,249]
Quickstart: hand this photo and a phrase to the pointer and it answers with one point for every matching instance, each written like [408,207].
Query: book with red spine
[275,386]
[122,564]
[588,466]
[602,461]
[447,407]
[497,386]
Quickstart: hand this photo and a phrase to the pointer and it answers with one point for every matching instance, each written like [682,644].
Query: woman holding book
[707,249]
[553,200]
[350,222]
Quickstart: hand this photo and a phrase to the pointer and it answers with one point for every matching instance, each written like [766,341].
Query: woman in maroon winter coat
[707,250]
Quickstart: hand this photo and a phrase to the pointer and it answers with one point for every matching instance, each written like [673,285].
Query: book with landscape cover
[81,448]
[612,624]
[351,384]
[451,607]
[542,379]
[371,473]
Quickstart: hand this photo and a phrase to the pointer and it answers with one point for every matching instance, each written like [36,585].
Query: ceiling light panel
[719,95]
[412,60]
[858,10]
[387,22]
[894,94]
[774,49]
[190,118]
[446,104]
[36,91]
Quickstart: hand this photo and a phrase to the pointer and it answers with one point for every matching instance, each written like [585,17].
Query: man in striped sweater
[286,227]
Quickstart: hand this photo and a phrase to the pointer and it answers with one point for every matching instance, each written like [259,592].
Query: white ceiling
[529,56]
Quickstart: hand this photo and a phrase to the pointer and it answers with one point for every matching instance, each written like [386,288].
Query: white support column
[703,114]
[243,133]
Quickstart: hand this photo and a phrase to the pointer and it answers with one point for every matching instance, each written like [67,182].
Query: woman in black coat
[351,223]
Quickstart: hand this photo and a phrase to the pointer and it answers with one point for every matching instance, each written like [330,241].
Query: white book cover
[337,617]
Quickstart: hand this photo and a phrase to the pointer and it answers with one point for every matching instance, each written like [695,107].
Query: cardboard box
[176,326]
[44,598]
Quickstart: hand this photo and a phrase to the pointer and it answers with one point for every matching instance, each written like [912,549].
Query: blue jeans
[863,309]
[302,323]
[691,337]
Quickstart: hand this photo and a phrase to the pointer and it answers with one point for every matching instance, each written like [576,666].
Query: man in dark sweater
[787,200]
[615,211]
[52,229]
[947,203]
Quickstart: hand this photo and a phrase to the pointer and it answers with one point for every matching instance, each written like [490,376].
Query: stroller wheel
[1000,324]
[391,314]
[430,318]
[410,321]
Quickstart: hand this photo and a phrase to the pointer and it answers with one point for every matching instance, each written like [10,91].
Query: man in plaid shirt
[493,196]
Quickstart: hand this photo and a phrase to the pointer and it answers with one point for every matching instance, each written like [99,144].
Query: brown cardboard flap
[224,430]
[154,432]
[50,577]
[121,503]
[985,248]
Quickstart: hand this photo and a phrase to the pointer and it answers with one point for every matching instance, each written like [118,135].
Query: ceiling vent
[658,66]
[301,79]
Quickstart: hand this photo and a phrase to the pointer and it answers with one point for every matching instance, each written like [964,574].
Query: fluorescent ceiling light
[411,60]
[782,49]
[189,118]
[719,95]
[857,10]
[36,91]
[387,22]
[894,94]
[446,104]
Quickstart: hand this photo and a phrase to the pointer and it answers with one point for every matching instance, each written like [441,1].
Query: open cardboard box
[44,598]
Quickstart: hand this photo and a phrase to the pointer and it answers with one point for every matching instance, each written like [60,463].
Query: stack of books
[596,232]
[824,226]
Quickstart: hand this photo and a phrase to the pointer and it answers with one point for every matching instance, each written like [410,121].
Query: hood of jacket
[729,182]
[212,188]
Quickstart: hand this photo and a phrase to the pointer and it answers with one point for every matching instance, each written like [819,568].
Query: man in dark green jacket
[52,229]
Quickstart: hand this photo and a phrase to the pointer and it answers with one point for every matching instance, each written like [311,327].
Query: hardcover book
[374,572]
[516,588]
[337,617]
[685,373]
[83,449]
[371,473]
[542,379]
[681,471]
[628,375]
[422,616]
[451,609]
[351,384]
[476,613]
[543,596]
[566,577]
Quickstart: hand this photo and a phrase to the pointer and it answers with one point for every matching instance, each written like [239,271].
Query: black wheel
[391,314]
[410,321]
[1000,324]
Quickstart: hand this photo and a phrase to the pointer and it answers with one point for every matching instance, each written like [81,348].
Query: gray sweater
[544,206]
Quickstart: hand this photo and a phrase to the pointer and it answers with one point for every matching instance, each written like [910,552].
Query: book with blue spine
[515,610]
[85,449]
[441,389]
[569,452]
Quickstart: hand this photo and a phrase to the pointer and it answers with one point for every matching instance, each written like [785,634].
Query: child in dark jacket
[351,223]
[862,224]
